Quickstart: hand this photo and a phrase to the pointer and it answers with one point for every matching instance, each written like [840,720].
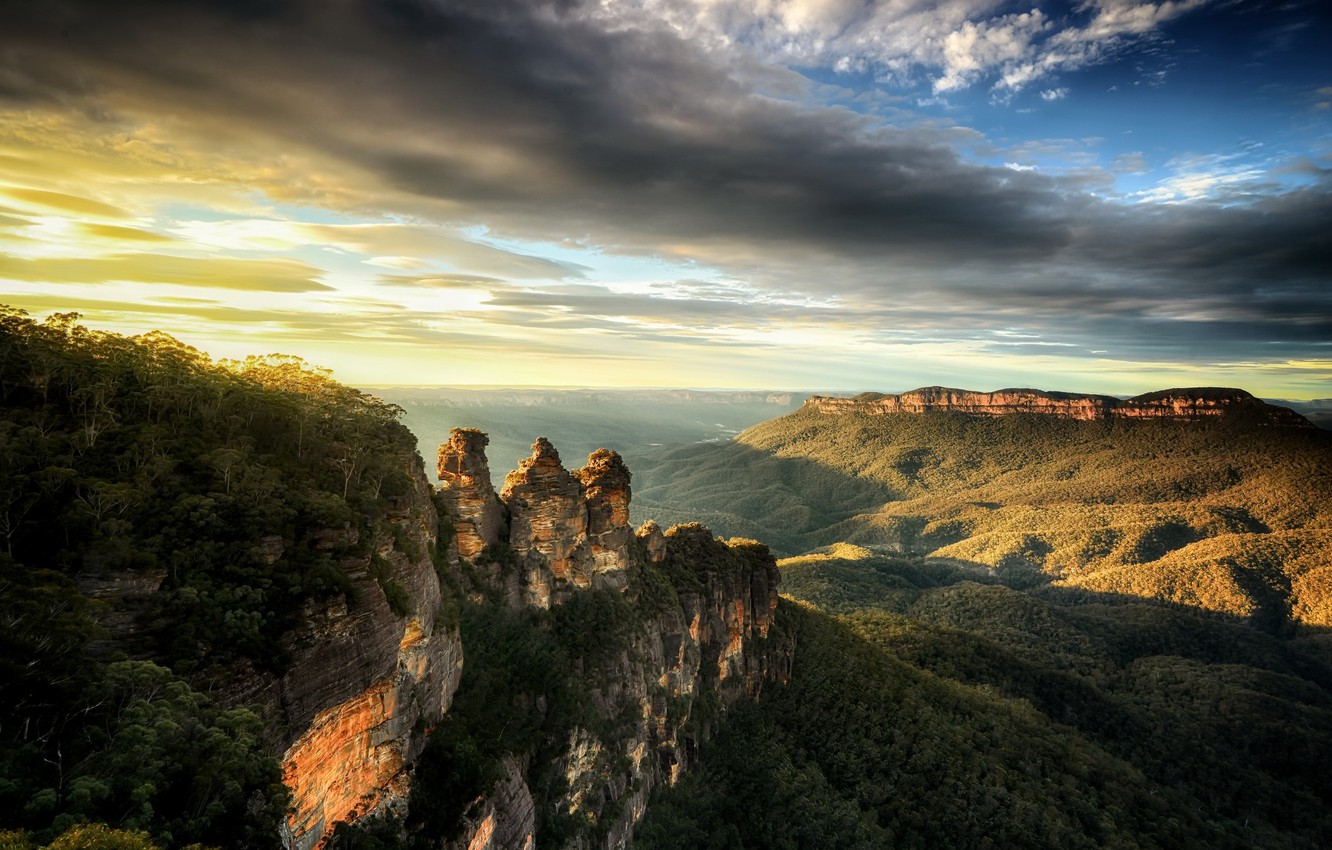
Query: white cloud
[1054,94]
[975,49]
[954,45]
[1205,177]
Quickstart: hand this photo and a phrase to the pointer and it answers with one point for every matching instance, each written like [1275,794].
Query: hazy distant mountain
[579,421]
[1316,410]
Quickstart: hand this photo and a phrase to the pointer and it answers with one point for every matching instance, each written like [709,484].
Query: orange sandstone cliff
[369,679]
[1189,403]
[366,683]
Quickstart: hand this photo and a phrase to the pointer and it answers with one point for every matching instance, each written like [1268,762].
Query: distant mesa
[1183,403]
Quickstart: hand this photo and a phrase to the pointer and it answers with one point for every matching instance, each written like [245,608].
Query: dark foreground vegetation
[128,464]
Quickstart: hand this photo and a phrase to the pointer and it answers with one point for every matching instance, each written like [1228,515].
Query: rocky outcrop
[605,481]
[1195,403]
[565,530]
[465,487]
[547,524]
[649,534]
[702,638]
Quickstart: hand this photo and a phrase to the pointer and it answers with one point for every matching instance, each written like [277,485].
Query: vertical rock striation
[568,531]
[547,524]
[701,639]
[478,516]
[605,479]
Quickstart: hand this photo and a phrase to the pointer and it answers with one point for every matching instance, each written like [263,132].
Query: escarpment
[236,612]
[465,487]
[367,681]
[662,632]
[1191,403]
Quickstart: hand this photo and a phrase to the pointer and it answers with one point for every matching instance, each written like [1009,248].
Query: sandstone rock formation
[654,542]
[547,524]
[508,818]
[605,480]
[1191,403]
[701,642]
[565,531]
[478,516]
[704,647]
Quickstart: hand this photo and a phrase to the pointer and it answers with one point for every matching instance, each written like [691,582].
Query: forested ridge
[1025,631]
[199,497]
[1232,514]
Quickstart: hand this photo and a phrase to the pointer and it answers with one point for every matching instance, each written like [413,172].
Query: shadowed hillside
[944,709]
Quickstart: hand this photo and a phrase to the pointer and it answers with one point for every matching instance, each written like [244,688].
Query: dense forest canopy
[160,517]
[942,709]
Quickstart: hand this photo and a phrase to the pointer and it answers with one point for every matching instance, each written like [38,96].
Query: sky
[1104,196]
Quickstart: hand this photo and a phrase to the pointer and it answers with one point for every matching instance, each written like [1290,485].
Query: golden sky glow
[396,217]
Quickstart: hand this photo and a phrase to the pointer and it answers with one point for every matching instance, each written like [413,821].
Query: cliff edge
[1182,403]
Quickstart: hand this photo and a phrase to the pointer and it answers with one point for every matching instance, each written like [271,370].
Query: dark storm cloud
[528,118]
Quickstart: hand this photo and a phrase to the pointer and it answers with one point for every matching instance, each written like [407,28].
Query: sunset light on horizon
[1108,197]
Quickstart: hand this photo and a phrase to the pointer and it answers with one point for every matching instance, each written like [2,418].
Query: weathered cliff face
[547,524]
[365,682]
[1192,403]
[507,820]
[464,474]
[353,757]
[675,676]
[701,641]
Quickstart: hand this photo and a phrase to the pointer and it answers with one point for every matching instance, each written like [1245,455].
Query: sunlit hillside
[1232,515]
